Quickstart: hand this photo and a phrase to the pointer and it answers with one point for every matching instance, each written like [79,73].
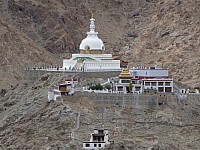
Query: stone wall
[32,75]
[124,100]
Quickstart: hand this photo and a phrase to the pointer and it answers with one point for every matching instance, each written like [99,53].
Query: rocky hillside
[171,38]
[28,121]
[143,32]
[17,51]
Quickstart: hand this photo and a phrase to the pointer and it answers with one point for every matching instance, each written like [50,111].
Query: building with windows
[92,57]
[99,139]
[67,88]
[149,72]
[156,78]
[140,80]
[163,85]
[125,85]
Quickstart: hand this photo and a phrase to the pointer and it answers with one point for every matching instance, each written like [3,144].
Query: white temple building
[99,140]
[91,57]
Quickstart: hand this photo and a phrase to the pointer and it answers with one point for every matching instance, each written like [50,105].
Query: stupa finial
[92,25]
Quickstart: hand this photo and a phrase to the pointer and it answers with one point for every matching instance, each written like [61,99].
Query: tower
[92,44]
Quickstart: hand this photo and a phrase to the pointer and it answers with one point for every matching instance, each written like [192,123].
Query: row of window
[166,89]
[95,145]
[101,65]
[158,83]
[125,81]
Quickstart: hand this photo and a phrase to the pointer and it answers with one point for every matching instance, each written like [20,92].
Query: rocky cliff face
[142,32]
[17,51]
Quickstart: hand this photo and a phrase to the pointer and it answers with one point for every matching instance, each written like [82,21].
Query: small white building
[99,139]
[53,94]
[68,88]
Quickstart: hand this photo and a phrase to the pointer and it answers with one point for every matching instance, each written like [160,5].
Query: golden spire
[125,74]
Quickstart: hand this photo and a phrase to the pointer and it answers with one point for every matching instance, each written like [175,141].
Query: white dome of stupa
[92,41]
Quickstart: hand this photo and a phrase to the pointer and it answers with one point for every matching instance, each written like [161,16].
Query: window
[167,83]
[87,145]
[168,89]
[100,131]
[160,83]
[125,81]
[147,83]
[120,88]
[160,89]
[137,88]
[99,145]
[95,145]
[134,82]
[153,83]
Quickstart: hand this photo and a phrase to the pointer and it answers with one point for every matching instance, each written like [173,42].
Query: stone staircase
[78,66]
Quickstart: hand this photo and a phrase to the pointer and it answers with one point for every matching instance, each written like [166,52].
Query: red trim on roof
[151,77]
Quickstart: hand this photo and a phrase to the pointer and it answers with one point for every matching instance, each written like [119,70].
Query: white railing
[61,69]
[85,89]
[101,70]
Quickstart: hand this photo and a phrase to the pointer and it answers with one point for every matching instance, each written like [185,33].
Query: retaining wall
[124,100]
[32,75]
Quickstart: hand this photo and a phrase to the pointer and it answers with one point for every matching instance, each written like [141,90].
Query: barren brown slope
[142,32]
[28,121]
[171,39]
[16,53]
[59,26]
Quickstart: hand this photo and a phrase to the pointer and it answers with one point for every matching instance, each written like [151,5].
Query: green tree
[96,87]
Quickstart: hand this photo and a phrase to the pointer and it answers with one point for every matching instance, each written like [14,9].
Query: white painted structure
[86,89]
[163,85]
[92,41]
[68,87]
[149,72]
[139,79]
[156,78]
[99,139]
[52,95]
[91,57]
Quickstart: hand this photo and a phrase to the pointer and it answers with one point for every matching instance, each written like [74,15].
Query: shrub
[108,87]
[96,87]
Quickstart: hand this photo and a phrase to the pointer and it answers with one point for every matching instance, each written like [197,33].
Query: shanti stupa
[91,57]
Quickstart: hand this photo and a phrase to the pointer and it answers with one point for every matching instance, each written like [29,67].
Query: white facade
[68,87]
[142,79]
[93,145]
[99,139]
[149,72]
[164,85]
[124,88]
[91,57]
[52,95]
[92,41]
[69,64]
[112,65]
